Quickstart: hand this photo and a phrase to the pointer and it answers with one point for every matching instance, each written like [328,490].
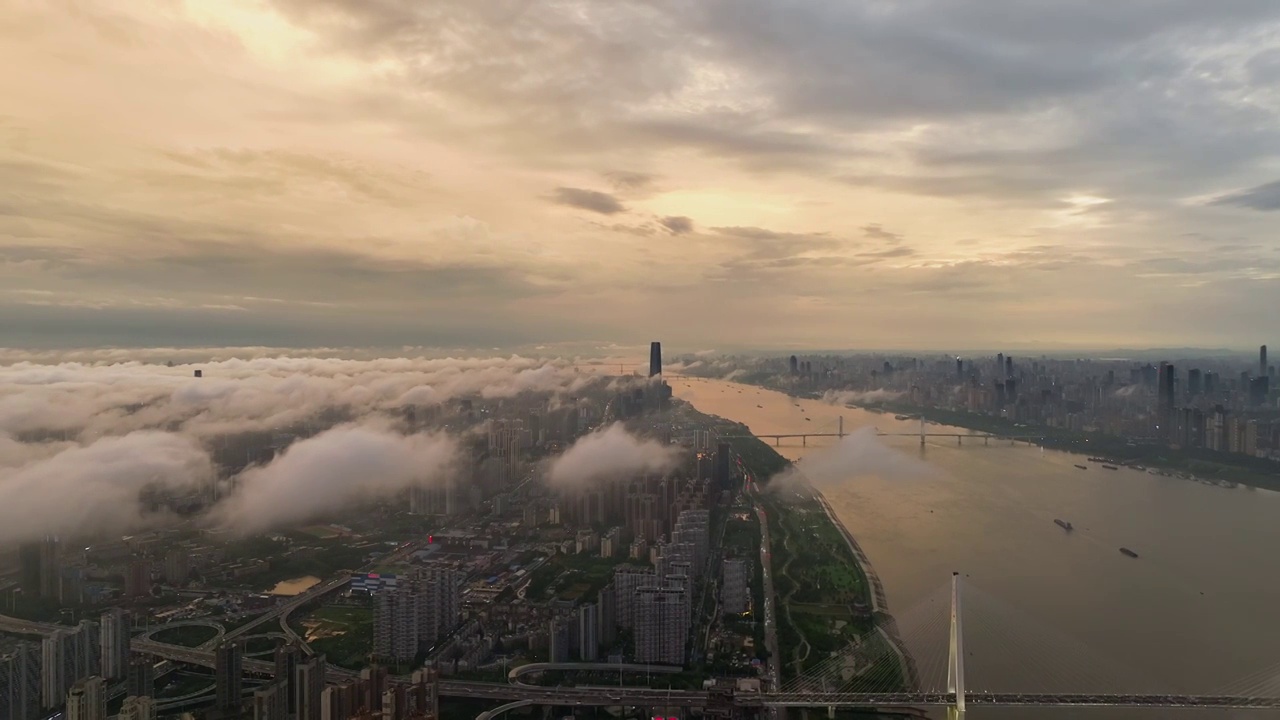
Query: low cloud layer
[81,400]
[852,397]
[858,455]
[95,489]
[610,454]
[80,442]
[345,466]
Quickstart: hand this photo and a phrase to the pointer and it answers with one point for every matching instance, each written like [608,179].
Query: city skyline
[275,172]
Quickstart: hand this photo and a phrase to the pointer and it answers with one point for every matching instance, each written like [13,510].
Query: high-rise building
[1008,367]
[87,699]
[66,657]
[114,643]
[138,708]
[558,635]
[373,681]
[655,358]
[286,660]
[415,615]
[589,632]
[271,702]
[20,682]
[1262,361]
[735,597]
[794,364]
[228,673]
[424,693]
[722,472]
[395,623]
[660,630]
[309,687]
[338,702]
[141,676]
[40,570]
[177,566]
[627,581]
[137,578]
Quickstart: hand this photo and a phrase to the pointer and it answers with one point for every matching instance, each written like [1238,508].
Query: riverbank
[829,598]
[1199,465]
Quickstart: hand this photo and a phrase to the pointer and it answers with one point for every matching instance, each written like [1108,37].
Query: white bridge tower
[955,664]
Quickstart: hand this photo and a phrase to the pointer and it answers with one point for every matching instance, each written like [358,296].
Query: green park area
[344,634]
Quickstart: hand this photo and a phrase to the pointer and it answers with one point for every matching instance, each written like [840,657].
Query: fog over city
[80,442]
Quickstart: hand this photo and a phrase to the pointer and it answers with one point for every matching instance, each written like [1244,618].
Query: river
[1046,610]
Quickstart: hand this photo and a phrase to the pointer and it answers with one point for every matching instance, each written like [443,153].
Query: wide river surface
[1046,610]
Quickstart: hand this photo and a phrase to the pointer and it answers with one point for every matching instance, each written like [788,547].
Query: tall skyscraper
[20,682]
[228,673]
[138,708]
[177,566]
[66,657]
[794,363]
[661,630]
[87,699]
[589,632]
[1262,361]
[655,358]
[50,577]
[137,579]
[309,687]
[722,471]
[114,643]
[286,659]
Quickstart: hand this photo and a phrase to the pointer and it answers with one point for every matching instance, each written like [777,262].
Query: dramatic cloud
[471,174]
[592,200]
[333,470]
[610,454]
[97,489]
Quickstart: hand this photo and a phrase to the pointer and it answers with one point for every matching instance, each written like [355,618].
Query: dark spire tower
[1262,361]
[655,358]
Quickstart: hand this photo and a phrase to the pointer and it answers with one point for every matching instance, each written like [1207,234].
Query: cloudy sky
[718,173]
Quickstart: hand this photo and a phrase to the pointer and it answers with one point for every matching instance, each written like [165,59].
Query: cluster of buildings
[416,612]
[73,667]
[1219,404]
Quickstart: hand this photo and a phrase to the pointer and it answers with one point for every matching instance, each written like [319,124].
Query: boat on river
[1128,552]
[1064,525]
[1082,467]
[1111,467]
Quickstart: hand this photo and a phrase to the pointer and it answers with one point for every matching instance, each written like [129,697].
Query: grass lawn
[343,634]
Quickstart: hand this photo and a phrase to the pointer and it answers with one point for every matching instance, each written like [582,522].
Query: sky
[715,173]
